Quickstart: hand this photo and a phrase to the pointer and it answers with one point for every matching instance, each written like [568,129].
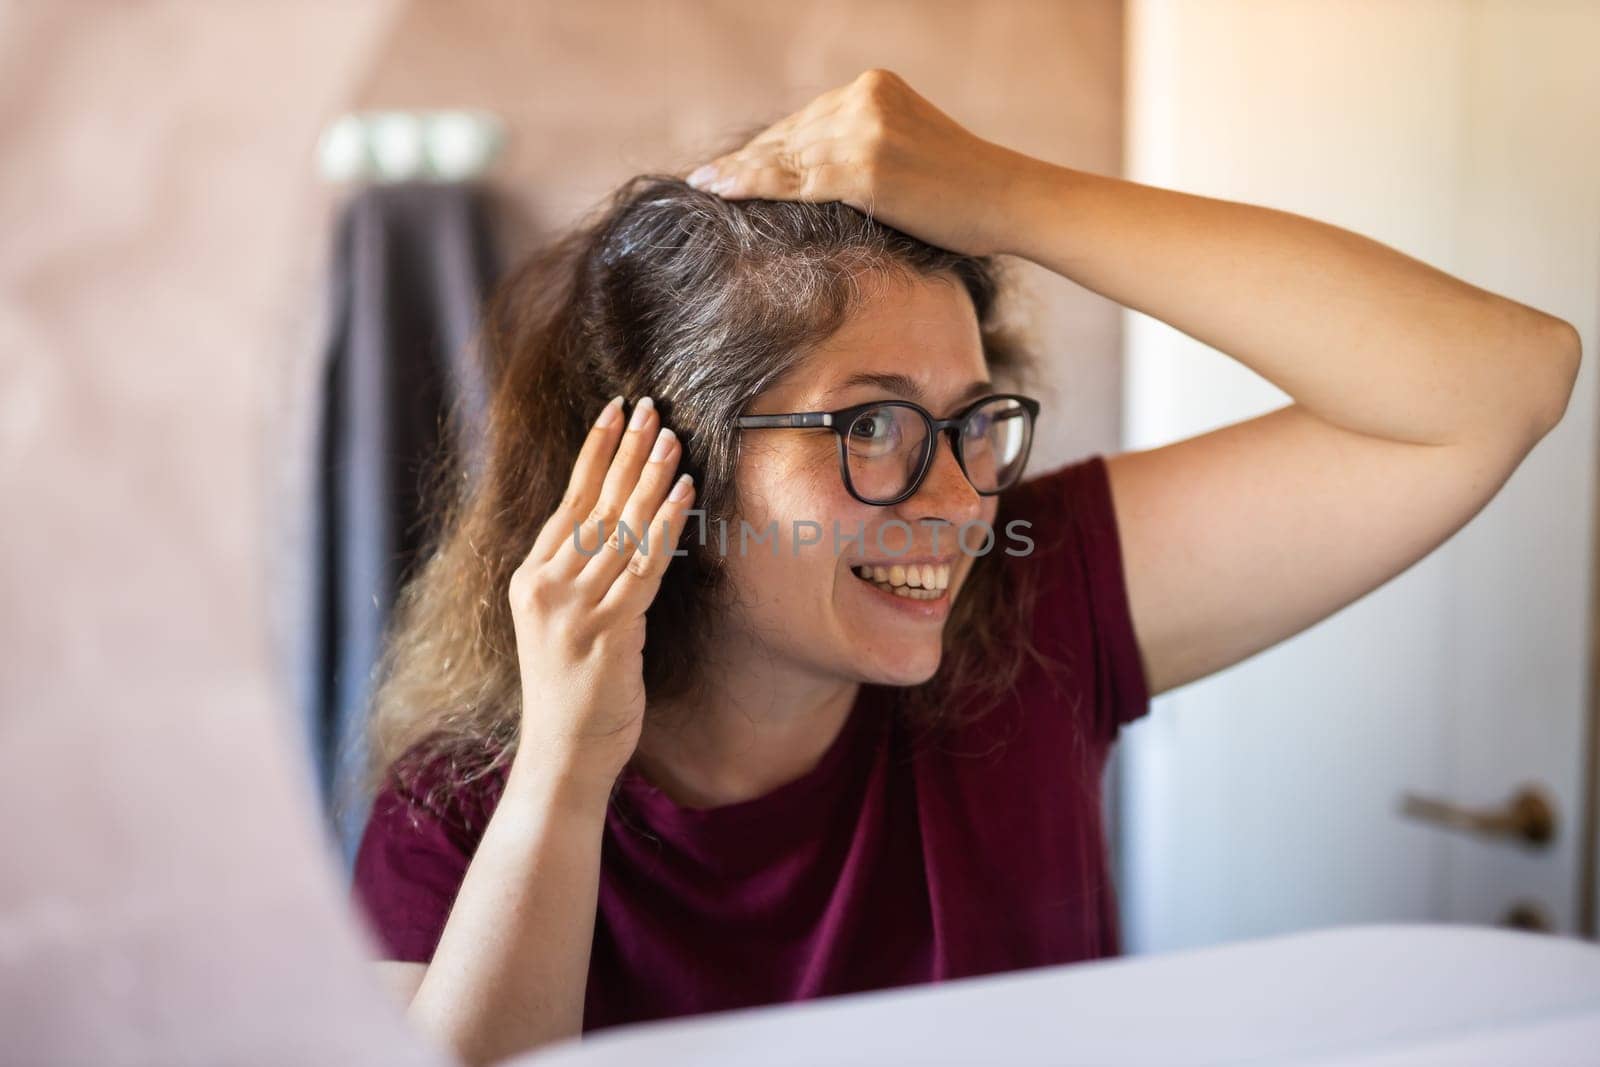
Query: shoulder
[1075,568]
[1058,529]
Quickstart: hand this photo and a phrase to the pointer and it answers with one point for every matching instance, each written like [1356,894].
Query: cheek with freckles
[784,589]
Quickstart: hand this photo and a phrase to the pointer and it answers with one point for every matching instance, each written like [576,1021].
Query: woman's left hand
[879,146]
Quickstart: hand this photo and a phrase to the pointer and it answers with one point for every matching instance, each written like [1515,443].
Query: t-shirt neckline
[787,800]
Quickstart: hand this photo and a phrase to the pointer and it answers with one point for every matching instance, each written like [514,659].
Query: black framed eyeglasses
[886,447]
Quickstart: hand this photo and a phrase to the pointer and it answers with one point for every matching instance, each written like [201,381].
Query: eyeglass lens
[885,447]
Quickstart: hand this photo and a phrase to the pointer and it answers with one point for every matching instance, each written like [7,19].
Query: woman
[836,784]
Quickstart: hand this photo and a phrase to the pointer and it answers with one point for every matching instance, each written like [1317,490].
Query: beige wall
[159,280]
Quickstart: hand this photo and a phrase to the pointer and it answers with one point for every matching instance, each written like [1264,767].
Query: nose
[945,493]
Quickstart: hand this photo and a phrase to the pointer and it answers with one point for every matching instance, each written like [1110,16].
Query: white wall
[1464,134]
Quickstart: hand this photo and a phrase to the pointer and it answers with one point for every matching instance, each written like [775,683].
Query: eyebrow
[906,386]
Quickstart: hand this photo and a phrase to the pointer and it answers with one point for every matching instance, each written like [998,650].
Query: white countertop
[1377,996]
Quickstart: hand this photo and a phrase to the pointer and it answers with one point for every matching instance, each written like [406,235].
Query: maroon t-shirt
[883,865]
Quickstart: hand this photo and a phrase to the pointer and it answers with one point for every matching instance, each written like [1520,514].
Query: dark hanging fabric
[412,265]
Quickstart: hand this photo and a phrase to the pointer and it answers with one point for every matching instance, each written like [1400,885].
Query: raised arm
[1416,395]
[1360,335]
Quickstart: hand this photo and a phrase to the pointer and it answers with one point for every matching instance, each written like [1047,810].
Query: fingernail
[640,411]
[663,445]
[611,413]
[700,175]
[680,488]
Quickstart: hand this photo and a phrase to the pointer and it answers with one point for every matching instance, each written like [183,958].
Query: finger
[583,484]
[636,586]
[643,503]
[796,153]
[777,179]
[810,146]
[621,476]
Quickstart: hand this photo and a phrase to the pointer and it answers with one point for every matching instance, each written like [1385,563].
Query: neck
[761,723]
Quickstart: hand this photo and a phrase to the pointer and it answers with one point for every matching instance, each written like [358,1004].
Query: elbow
[1560,349]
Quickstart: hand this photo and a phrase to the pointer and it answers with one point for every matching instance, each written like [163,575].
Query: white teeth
[920,581]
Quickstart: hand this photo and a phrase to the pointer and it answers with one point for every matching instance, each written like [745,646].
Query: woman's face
[915,340]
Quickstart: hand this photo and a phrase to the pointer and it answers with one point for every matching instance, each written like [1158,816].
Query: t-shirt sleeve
[1083,600]
[408,868]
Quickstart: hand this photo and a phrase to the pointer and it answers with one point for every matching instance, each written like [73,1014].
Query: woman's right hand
[580,615]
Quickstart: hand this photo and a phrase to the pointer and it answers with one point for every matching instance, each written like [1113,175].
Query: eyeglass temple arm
[805,418]
[811,418]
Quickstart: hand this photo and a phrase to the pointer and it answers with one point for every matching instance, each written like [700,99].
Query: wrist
[1035,197]
[536,780]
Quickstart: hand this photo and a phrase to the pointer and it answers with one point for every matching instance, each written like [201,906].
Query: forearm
[1356,332]
[511,967]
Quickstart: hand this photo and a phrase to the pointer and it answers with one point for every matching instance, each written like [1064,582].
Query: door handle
[1529,816]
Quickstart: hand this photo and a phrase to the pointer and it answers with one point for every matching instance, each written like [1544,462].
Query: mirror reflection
[692,523]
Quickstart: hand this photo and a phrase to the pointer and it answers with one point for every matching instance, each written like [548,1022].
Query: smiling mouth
[926,581]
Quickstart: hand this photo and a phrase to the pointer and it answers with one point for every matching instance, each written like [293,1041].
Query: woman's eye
[872,427]
[874,434]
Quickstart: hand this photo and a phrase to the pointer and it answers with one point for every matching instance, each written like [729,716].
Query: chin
[904,667]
